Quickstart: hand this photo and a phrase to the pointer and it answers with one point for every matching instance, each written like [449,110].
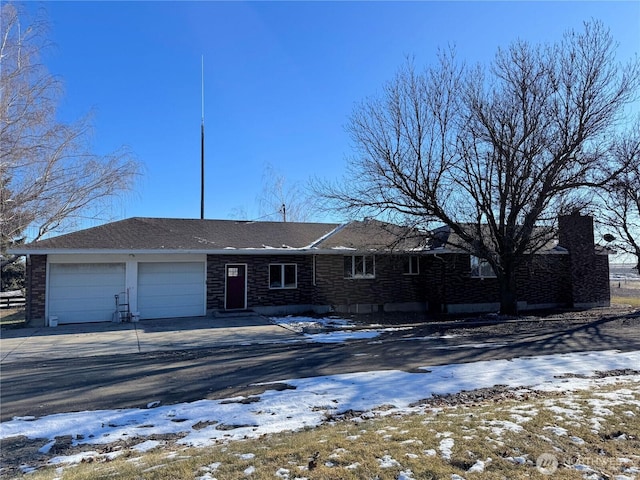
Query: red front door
[236,291]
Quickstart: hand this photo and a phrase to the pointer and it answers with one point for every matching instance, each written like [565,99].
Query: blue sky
[281,79]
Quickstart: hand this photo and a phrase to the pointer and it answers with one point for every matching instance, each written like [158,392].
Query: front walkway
[92,339]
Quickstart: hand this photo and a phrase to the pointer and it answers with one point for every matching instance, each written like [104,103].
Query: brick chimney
[588,270]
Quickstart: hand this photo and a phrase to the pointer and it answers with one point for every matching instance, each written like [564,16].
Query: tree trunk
[508,295]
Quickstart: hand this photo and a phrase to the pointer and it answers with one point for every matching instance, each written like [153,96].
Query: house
[172,268]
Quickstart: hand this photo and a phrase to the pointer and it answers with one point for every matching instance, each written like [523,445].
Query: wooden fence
[12,300]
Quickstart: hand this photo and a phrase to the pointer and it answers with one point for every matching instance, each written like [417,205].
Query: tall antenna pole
[202,150]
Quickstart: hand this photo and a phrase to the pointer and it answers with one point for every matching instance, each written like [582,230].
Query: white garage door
[174,289]
[84,292]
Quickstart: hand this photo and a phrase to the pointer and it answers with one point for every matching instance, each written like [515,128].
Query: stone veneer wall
[589,272]
[540,280]
[443,280]
[390,285]
[330,288]
[258,291]
[580,278]
[36,281]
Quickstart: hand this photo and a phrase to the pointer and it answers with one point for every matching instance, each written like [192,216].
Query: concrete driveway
[92,339]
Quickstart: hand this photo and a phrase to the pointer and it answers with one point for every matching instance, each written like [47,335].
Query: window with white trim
[411,264]
[359,266]
[480,268]
[283,275]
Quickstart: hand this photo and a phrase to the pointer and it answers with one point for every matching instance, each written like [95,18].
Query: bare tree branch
[495,153]
[282,200]
[620,198]
[49,177]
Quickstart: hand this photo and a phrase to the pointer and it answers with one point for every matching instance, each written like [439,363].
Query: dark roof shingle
[187,234]
[194,235]
[374,235]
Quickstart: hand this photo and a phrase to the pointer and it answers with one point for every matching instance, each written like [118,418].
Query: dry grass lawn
[626,292]
[592,434]
[12,317]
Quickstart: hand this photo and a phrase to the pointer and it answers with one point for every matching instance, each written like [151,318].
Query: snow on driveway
[341,330]
[205,422]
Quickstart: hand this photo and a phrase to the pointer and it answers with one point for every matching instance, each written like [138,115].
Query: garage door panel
[170,267]
[193,299]
[170,281]
[173,289]
[63,304]
[177,312]
[80,293]
[67,278]
[77,307]
[161,290]
[158,310]
[76,269]
[77,292]
[87,314]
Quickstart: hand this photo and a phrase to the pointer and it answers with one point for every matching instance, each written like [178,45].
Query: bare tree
[494,153]
[49,177]
[620,209]
[239,212]
[281,200]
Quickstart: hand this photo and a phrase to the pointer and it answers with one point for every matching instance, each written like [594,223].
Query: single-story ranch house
[172,268]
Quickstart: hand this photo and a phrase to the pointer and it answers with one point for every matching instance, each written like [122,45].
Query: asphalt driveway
[109,366]
[92,339]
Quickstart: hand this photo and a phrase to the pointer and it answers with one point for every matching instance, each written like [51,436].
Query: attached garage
[171,289]
[84,292]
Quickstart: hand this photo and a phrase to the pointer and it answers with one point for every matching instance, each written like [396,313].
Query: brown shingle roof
[187,234]
[172,234]
[374,235]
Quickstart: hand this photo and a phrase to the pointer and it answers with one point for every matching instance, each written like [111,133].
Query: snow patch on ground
[479,466]
[302,323]
[388,462]
[146,446]
[331,329]
[446,446]
[339,337]
[310,401]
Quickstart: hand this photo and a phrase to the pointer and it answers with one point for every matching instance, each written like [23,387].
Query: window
[480,268]
[283,275]
[411,265]
[359,266]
